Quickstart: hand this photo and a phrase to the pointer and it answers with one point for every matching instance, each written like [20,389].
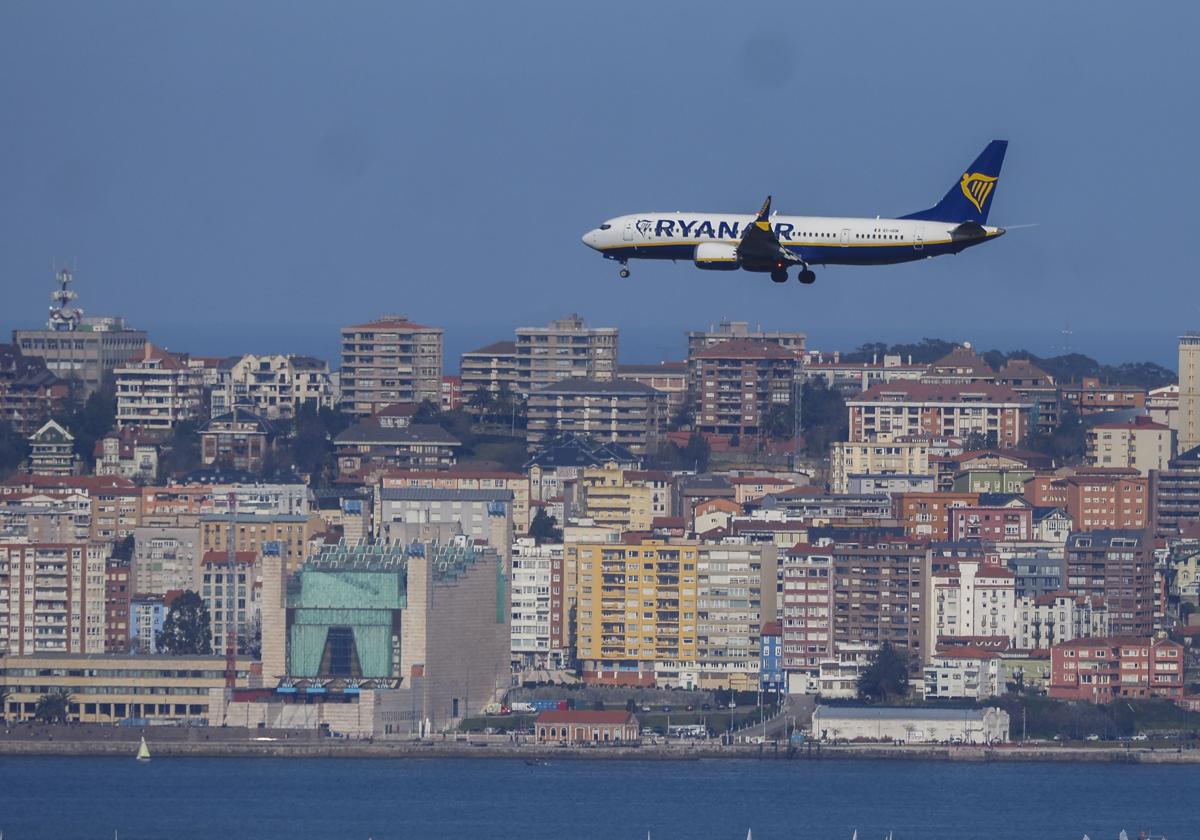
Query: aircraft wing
[760,245]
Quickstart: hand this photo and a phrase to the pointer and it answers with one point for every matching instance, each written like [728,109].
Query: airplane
[770,243]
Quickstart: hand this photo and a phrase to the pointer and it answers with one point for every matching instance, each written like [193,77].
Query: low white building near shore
[910,725]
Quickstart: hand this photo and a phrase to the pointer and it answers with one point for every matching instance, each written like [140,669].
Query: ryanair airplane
[771,243]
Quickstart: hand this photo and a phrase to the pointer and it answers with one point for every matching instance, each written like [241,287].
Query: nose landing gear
[624,272]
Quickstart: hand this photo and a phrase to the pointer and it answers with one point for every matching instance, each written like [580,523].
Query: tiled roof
[392,324]
[578,385]
[983,392]
[745,348]
[369,431]
[496,348]
[585,717]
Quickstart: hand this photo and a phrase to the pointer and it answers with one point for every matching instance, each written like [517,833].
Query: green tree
[181,451]
[480,401]
[780,421]
[544,528]
[186,630]
[886,676]
[5,693]
[823,417]
[14,449]
[1066,444]
[696,453]
[54,706]
[684,416]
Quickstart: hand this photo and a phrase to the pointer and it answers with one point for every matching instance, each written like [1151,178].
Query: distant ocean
[641,343]
[482,799]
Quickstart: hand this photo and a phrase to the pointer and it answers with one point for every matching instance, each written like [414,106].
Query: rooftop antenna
[1067,332]
[63,317]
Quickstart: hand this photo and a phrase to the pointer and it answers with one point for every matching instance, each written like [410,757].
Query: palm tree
[54,707]
[5,693]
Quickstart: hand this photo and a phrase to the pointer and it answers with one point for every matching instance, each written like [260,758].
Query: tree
[14,448]
[684,416]
[823,417]
[1066,444]
[780,422]
[696,453]
[544,528]
[480,401]
[5,693]
[54,706]
[92,420]
[886,676]
[181,451]
[186,630]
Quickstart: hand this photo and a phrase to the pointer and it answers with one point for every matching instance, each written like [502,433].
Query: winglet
[765,211]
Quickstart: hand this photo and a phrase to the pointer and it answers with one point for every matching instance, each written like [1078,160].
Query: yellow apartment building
[636,610]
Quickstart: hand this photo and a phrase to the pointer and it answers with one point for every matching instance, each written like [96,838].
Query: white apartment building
[273,386]
[530,605]
[735,596]
[157,390]
[52,597]
[1045,620]
[962,674]
[975,599]
[1189,392]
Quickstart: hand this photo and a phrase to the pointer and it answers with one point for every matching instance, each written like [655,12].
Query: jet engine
[717,256]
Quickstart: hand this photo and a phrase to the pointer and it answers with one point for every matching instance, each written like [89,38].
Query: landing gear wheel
[779,275]
[624,272]
[807,276]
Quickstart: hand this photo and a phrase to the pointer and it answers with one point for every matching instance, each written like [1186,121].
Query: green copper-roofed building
[429,618]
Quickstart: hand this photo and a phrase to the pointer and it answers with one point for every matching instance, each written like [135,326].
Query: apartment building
[997,413]
[566,348]
[972,598]
[157,390]
[492,368]
[127,453]
[237,440]
[165,559]
[118,599]
[1008,520]
[391,360]
[668,378]
[928,514]
[1100,670]
[806,613]
[895,457]
[738,383]
[636,611]
[1091,396]
[252,532]
[532,573]
[700,340]
[1189,392]
[1044,621]
[1175,494]
[1139,444]
[1115,566]
[273,386]
[232,598]
[460,479]
[52,597]
[878,586]
[87,353]
[626,413]
[736,596]
[52,451]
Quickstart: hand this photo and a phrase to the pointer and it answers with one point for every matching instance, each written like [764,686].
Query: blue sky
[249,176]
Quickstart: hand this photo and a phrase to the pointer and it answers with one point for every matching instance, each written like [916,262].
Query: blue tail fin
[971,197]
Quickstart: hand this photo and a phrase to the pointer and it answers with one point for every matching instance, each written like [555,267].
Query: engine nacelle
[717,256]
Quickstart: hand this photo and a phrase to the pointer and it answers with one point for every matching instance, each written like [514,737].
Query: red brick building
[1091,397]
[739,381]
[1100,670]
[1001,523]
[586,727]
[928,514]
[1095,498]
[118,597]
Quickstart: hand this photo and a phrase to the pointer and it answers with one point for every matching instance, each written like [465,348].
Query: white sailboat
[143,753]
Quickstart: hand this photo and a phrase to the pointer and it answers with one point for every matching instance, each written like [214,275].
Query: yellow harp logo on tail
[977,188]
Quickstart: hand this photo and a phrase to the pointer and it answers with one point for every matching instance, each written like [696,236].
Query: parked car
[1141,736]
[706,707]
[1093,737]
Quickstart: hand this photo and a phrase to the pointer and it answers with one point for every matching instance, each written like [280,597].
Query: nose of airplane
[590,238]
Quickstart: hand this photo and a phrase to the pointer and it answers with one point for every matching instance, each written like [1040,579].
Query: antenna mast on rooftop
[64,318]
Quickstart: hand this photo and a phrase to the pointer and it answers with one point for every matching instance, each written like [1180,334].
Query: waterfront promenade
[236,742]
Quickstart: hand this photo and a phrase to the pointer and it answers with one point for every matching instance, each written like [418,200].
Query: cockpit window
[605,226]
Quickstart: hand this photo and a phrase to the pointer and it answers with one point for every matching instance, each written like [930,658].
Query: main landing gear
[807,276]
